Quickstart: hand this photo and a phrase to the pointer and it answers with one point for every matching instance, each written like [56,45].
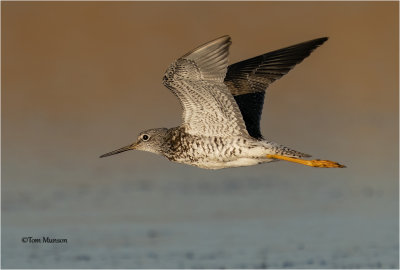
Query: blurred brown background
[82,78]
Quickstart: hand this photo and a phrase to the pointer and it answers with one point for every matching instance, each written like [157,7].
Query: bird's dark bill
[123,149]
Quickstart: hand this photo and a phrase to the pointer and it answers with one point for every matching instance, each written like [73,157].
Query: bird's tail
[286,151]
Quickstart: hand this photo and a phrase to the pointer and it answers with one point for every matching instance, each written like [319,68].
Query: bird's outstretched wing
[197,79]
[247,80]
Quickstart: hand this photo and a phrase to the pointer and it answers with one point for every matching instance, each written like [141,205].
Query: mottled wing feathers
[247,80]
[197,79]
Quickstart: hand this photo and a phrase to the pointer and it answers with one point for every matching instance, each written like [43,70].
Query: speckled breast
[186,148]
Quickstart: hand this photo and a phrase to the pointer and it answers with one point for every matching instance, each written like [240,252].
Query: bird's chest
[197,150]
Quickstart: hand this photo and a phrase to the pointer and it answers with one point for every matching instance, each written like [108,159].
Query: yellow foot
[312,163]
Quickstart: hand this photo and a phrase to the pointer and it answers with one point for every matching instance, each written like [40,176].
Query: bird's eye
[145,137]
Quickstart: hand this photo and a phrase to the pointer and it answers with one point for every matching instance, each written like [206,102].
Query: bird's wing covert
[197,79]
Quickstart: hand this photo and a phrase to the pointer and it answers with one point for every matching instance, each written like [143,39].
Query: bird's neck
[172,142]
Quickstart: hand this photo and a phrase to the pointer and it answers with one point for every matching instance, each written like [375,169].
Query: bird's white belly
[240,162]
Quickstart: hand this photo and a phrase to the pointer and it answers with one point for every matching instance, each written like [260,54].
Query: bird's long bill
[120,150]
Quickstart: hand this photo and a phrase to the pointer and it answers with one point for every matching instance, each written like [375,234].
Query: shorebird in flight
[222,108]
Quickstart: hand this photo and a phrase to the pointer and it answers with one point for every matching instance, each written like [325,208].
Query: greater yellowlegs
[222,108]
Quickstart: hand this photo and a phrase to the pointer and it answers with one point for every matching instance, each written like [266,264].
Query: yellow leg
[312,163]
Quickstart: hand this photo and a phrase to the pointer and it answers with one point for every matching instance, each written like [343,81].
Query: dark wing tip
[318,41]
[301,50]
[322,39]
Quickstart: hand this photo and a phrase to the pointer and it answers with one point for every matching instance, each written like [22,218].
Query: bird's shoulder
[181,69]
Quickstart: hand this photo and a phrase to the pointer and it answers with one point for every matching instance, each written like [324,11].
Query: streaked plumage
[222,108]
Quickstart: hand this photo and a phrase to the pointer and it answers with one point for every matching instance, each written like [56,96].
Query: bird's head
[150,140]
